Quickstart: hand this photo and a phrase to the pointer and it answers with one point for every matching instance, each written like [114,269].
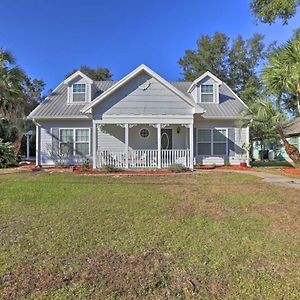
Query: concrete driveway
[267,177]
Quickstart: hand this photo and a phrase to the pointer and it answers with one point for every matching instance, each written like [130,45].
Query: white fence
[143,158]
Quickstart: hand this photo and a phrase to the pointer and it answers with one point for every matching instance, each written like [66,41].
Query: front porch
[128,145]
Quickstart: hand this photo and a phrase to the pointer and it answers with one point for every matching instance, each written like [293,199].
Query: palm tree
[11,86]
[292,55]
[282,75]
[12,100]
[265,122]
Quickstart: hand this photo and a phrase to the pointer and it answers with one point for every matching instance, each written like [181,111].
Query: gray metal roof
[293,127]
[229,105]
[56,106]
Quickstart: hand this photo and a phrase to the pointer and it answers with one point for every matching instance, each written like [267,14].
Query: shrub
[85,165]
[177,168]
[7,157]
[109,168]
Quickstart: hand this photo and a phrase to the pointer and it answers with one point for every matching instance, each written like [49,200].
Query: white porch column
[159,144]
[191,129]
[126,145]
[94,145]
[37,145]
[247,143]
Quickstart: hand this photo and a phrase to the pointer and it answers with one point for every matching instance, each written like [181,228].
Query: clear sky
[50,38]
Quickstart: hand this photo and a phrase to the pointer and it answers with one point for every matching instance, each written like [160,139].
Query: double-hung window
[219,142]
[74,141]
[79,92]
[207,93]
[212,141]
[204,141]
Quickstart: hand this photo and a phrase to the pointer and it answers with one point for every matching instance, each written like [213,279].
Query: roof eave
[83,117]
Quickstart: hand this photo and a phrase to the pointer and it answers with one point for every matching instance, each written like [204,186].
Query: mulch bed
[127,172]
[238,168]
[208,167]
[78,170]
[27,167]
[291,171]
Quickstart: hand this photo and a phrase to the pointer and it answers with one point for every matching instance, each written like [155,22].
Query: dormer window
[207,93]
[79,92]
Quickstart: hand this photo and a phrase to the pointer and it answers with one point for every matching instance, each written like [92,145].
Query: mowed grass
[206,236]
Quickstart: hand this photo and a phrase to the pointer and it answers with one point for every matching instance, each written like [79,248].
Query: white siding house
[141,121]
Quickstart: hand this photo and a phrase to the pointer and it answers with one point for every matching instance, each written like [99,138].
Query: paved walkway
[268,177]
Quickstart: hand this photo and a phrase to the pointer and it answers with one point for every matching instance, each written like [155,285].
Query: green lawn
[211,236]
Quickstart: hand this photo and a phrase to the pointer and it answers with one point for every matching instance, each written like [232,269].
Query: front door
[166,139]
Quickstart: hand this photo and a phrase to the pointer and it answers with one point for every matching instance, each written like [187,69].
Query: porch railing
[108,158]
[171,157]
[143,158]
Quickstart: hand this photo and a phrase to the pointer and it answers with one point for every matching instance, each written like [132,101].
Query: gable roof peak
[132,74]
[75,74]
[207,73]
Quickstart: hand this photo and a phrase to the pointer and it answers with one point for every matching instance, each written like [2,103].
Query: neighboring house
[140,121]
[272,149]
[275,148]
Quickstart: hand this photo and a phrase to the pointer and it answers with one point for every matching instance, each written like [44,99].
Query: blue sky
[50,38]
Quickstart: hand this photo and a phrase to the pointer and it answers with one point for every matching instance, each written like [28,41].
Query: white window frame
[74,139]
[213,93]
[212,141]
[201,142]
[85,94]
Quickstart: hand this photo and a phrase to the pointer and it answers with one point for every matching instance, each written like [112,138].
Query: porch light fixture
[178,129]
